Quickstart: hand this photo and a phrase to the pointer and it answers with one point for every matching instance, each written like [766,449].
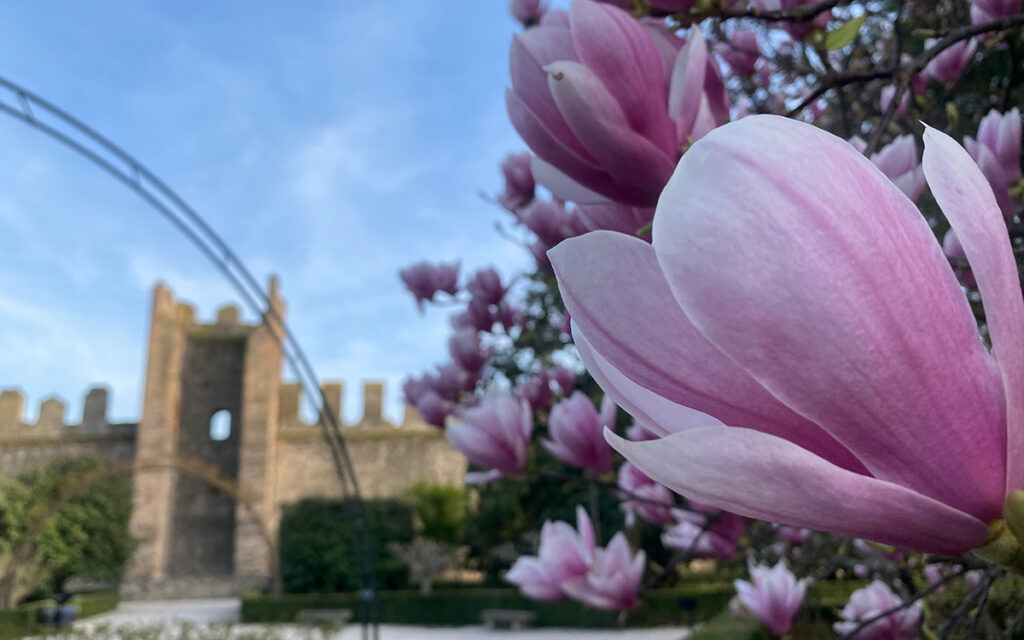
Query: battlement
[290,397]
[51,420]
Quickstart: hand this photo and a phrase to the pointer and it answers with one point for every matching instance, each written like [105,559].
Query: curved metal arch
[28,107]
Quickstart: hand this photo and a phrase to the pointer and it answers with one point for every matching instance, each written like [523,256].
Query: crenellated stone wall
[193,537]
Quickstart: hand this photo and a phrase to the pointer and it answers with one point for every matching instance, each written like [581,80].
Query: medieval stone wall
[25,446]
[188,532]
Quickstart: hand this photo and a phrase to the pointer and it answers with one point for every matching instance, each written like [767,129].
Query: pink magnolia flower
[949,65]
[527,12]
[989,10]
[741,52]
[613,216]
[477,315]
[564,554]
[704,532]
[466,350]
[425,280]
[564,377]
[697,100]
[549,221]
[639,433]
[589,99]
[495,434]
[799,341]
[536,390]
[485,286]
[898,160]
[872,600]
[794,535]
[613,582]
[773,596]
[576,431]
[997,152]
[433,408]
[885,99]
[643,497]
[519,182]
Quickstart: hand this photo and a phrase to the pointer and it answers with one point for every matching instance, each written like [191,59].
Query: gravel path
[221,611]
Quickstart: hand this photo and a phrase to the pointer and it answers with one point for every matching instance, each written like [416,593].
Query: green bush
[70,518]
[463,607]
[317,547]
[441,510]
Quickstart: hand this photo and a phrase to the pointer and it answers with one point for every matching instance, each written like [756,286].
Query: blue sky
[330,142]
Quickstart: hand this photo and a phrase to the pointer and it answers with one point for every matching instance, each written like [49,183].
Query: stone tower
[209,420]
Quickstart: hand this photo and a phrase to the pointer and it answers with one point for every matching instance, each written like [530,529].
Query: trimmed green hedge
[317,548]
[24,620]
[458,607]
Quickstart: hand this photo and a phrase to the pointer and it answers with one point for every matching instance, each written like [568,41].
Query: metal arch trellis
[21,104]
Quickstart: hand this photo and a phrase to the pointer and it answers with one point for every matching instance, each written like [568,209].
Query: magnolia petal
[624,56]
[967,200]
[601,126]
[809,269]
[686,87]
[617,295]
[562,186]
[547,147]
[760,476]
[655,412]
[530,52]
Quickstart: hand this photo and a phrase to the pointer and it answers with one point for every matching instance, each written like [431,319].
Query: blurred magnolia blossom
[948,66]
[740,51]
[519,182]
[613,582]
[589,98]
[564,554]
[485,286]
[704,532]
[898,161]
[773,596]
[536,390]
[872,600]
[997,152]
[569,563]
[467,351]
[576,430]
[793,535]
[989,10]
[425,280]
[495,434]
[639,432]
[887,418]
[643,497]
[528,12]
[886,97]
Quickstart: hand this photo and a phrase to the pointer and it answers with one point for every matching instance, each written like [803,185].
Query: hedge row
[457,607]
[24,620]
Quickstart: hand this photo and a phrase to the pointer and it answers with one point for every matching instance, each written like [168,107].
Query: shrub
[317,548]
[441,511]
[70,518]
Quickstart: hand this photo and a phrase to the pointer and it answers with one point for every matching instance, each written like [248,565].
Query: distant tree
[440,510]
[65,520]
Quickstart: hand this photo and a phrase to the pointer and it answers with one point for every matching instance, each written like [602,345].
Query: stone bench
[324,616]
[507,618]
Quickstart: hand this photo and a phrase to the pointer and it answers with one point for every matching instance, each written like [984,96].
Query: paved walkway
[157,612]
[226,610]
